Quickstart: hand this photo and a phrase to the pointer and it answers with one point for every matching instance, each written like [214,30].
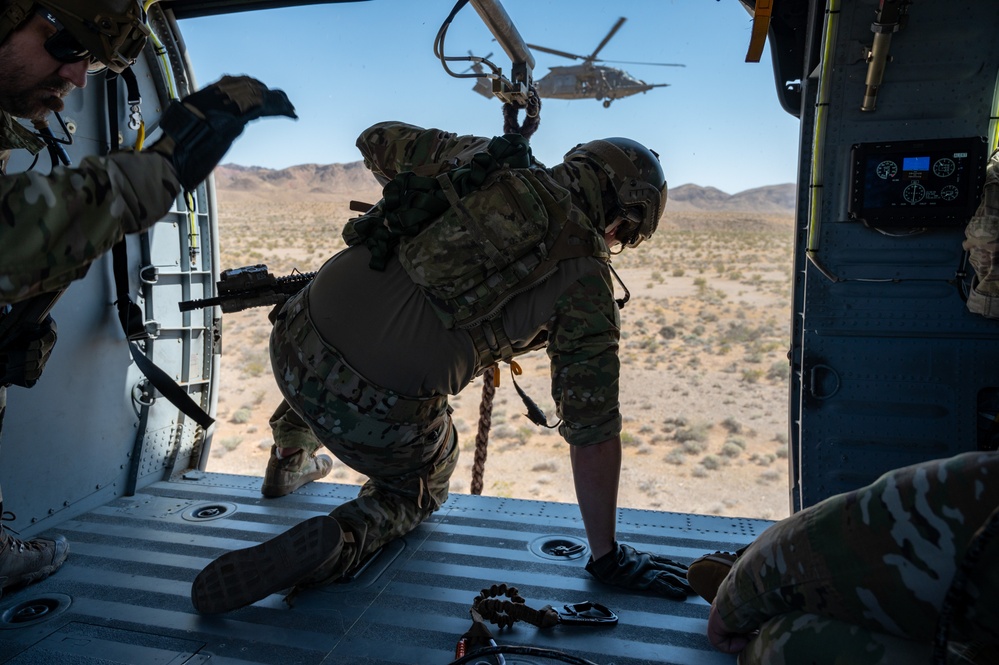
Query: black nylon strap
[130,315]
[167,386]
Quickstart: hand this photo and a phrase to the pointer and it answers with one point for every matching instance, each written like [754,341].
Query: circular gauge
[950,192]
[887,169]
[943,167]
[914,192]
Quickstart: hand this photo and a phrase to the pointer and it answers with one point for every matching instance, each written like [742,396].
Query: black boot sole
[243,577]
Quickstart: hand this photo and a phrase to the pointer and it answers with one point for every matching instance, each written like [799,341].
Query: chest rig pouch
[474,237]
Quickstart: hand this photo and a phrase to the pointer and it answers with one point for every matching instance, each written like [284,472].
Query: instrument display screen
[912,184]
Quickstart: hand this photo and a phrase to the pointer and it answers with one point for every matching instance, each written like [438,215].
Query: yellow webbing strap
[761,26]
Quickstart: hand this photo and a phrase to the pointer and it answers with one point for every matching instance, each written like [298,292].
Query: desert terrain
[704,349]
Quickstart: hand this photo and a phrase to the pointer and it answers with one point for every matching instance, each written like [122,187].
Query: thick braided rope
[489,606]
[485,422]
[532,118]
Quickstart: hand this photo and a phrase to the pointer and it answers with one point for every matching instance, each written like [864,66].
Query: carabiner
[587,613]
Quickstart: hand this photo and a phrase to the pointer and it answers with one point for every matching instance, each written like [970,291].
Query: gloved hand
[628,568]
[24,358]
[198,130]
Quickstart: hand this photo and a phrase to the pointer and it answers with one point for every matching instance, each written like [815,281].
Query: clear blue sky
[346,66]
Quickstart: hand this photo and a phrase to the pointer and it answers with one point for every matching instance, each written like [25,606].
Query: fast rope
[490,381]
[532,117]
[485,423]
[490,378]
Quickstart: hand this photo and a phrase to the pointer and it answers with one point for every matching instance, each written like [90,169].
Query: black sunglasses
[64,47]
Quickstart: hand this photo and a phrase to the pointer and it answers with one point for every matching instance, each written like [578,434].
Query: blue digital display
[916,163]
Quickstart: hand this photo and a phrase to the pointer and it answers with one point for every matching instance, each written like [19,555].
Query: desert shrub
[550,467]
[769,476]
[697,432]
[779,371]
[230,443]
[504,432]
[752,375]
[241,416]
[676,458]
[732,425]
[694,447]
[254,368]
[730,449]
[711,462]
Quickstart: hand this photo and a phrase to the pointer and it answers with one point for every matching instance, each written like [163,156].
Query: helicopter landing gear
[607,103]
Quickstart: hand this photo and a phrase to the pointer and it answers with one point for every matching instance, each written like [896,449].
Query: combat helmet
[109,32]
[637,179]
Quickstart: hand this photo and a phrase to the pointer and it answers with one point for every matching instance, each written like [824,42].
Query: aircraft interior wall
[93,428]
[892,367]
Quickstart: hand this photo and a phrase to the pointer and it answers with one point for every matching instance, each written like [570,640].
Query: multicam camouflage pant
[406,446]
[859,579]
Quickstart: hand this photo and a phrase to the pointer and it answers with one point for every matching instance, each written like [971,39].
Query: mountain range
[321,181]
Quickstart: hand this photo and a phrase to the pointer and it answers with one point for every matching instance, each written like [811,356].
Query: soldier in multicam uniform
[365,357]
[53,227]
[864,577]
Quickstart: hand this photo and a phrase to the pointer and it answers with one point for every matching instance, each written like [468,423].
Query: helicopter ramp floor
[124,594]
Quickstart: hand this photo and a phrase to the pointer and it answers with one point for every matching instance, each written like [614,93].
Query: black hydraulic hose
[522,651]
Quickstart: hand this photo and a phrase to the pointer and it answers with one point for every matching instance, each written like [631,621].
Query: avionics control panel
[914,184]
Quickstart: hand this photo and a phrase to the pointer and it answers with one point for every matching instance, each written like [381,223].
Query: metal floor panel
[124,594]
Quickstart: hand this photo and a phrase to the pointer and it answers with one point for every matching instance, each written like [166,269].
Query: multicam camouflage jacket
[581,330]
[54,226]
[982,243]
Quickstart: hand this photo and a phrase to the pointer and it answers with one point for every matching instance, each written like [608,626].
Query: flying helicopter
[587,80]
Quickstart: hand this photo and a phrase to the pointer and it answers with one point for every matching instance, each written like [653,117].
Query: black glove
[628,568]
[24,358]
[198,130]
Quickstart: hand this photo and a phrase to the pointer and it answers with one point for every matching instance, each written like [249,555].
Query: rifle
[250,286]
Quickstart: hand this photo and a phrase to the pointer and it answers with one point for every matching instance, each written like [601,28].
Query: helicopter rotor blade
[632,62]
[617,26]
[545,49]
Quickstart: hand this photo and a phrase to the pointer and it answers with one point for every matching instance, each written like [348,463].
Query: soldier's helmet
[638,181]
[111,33]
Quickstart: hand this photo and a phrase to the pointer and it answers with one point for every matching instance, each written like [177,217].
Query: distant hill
[319,181]
[774,199]
[304,181]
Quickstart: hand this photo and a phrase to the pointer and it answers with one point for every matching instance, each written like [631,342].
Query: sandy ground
[704,367]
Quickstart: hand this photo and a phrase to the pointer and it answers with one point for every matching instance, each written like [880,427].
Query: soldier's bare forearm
[596,472]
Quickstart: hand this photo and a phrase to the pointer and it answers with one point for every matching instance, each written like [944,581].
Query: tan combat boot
[25,561]
[243,577]
[284,476]
[705,575]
